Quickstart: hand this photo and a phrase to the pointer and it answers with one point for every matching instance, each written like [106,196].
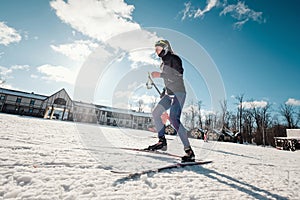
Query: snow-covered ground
[47,159]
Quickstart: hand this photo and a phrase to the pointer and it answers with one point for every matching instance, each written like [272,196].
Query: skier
[205,136]
[173,98]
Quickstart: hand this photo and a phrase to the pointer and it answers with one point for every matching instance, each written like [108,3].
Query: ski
[160,169]
[155,152]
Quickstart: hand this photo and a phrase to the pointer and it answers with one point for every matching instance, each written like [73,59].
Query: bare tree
[140,105]
[240,110]
[248,126]
[186,118]
[193,115]
[225,114]
[153,103]
[233,121]
[200,114]
[215,121]
[262,119]
[210,121]
[190,115]
[290,115]
[298,116]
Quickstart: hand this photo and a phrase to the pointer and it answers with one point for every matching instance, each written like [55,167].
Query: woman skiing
[173,98]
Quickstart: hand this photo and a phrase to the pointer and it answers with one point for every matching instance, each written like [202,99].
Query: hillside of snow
[48,159]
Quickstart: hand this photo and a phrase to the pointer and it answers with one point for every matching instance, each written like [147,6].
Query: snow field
[47,159]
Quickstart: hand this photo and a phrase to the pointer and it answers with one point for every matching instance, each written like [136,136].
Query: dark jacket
[172,73]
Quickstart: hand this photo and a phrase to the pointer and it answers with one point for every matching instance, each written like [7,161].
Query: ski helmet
[165,45]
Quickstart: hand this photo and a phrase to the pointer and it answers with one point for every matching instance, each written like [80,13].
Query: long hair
[169,46]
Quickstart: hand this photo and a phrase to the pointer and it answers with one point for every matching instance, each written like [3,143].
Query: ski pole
[152,83]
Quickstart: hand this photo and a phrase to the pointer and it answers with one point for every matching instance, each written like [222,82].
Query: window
[19,99]
[109,114]
[60,101]
[30,110]
[32,102]
[2,97]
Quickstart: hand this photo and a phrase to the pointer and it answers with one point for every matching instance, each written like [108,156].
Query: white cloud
[34,76]
[20,67]
[147,99]
[121,105]
[242,13]
[143,57]
[78,50]
[293,102]
[58,73]
[189,107]
[187,11]
[8,35]
[126,99]
[133,85]
[192,12]
[129,95]
[5,73]
[101,20]
[254,104]
[10,87]
[122,94]
[239,11]
[97,19]
[145,108]
[147,102]
[209,6]
[240,24]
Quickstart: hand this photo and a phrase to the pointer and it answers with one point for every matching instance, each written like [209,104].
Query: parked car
[225,135]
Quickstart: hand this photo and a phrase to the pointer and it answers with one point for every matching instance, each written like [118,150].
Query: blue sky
[253,43]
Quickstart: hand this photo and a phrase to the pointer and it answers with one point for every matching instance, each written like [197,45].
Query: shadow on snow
[224,179]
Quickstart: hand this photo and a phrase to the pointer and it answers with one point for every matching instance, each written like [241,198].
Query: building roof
[22,94]
[124,111]
[84,104]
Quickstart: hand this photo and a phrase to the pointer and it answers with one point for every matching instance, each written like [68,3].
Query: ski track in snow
[47,159]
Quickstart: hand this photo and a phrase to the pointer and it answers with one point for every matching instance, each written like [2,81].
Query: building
[123,118]
[61,107]
[30,104]
[290,142]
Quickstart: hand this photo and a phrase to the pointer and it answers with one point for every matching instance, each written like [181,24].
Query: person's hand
[155,74]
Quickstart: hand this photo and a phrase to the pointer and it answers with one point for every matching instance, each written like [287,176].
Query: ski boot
[160,145]
[189,156]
